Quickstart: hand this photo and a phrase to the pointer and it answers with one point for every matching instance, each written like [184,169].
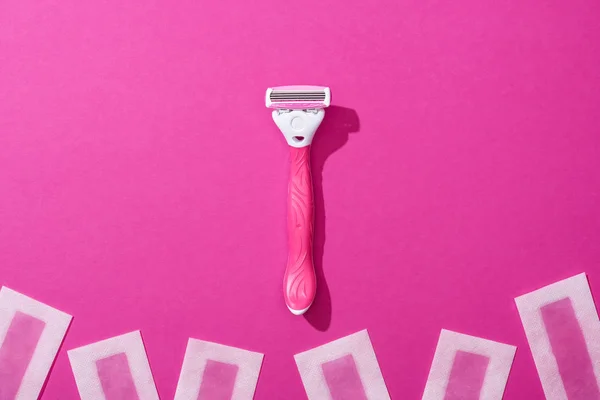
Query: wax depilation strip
[218,381]
[563,331]
[468,368]
[569,349]
[213,371]
[30,335]
[115,377]
[113,369]
[343,379]
[466,376]
[16,352]
[345,369]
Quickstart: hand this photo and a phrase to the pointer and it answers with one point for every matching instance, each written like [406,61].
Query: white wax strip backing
[343,369]
[30,335]
[468,367]
[113,369]
[215,371]
[563,331]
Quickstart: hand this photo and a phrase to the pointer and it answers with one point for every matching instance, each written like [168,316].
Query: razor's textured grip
[299,283]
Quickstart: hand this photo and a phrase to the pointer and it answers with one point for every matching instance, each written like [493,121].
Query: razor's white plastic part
[298,312]
[298,126]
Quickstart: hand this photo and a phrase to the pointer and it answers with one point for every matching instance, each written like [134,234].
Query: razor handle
[300,282]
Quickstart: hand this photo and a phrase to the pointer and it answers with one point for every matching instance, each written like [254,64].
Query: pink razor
[298,112]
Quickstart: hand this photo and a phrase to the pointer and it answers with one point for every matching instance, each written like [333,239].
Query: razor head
[298,97]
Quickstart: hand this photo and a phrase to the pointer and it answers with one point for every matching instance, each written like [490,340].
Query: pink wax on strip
[213,371]
[343,379]
[30,335]
[16,352]
[466,376]
[115,377]
[570,350]
[468,368]
[218,381]
[345,369]
[113,369]
[563,331]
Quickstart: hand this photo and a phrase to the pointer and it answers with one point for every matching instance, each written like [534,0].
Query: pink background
[143,182]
